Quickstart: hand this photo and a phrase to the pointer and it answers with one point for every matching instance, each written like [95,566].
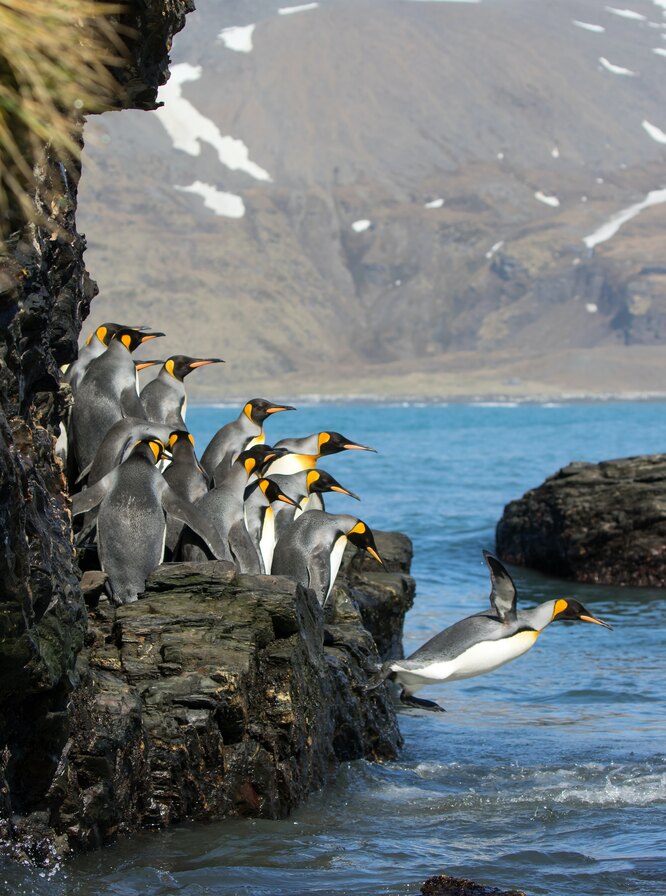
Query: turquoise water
[549,774]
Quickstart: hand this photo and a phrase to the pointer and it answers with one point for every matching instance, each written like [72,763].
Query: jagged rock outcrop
[602,523]
[220,695]
[443,885]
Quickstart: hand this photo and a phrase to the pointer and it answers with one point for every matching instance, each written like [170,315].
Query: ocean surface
[548,775]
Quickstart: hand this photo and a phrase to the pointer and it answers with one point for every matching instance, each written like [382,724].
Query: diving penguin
[304,453]
[107,393]
[164,398]
[239,435]
[310,549]
[134,500]
[479,643]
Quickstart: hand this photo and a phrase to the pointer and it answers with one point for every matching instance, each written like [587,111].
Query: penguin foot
[419,703]
[378,678]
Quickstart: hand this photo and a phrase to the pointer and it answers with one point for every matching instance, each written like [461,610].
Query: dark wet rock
[443,885]
[603,523]
[214,696]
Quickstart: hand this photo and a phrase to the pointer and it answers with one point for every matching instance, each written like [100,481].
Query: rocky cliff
[603,523]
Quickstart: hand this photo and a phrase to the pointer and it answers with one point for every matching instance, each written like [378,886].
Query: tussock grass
[56,63]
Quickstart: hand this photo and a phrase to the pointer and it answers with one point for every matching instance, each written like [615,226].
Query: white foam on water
[655,132]
[188,128]
[552,201]
[588,26]
[360,226]
[290,10]
[616,69]
[434,203]
[496,404]
[611,227]
[626,13]
[226,205]
[238,38]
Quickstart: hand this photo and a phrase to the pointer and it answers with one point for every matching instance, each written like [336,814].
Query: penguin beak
[146,336]
[344,491]
[195,364]
[373,553]
[141,365]
[286,499]
[352,446]
[277,409]
[596,621]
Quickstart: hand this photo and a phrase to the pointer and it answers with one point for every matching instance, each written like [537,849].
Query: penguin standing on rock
[304,453]
[186,477]
[239,435]
[164,398]
[259,499]
[479,643]
[107,393]
[310,549]
[306,489]
[133,501]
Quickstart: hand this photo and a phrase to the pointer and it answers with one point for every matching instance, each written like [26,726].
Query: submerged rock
[603,523]
[443,885]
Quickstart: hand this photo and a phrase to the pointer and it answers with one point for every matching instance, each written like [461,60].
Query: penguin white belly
[267,540]
[183,408]
[486,656]
[335,559]
[292,463]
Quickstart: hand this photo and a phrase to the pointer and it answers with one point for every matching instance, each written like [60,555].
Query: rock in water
[603,523]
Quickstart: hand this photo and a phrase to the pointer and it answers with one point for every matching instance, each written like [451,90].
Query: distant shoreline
[471,400]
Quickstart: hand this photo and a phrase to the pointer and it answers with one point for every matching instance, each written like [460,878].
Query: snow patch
[238,38]
[591,308]
[434,203]
[290,10]
[493,249]
[555,152]
[611,227]
[360,226]
[654,132]
[500,155]
[228,205]
[552,201]
[615,69]
[188,128]
[626,13]
[588,26]
[659,51]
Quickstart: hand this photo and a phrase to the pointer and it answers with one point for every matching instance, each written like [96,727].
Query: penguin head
[273,492]
[180,365]
[106,332]
[179,436]
[152,449]
[258,409]
[259,456]
[132,338]
[333,442]
[319,481]
[361,537]
[572,610]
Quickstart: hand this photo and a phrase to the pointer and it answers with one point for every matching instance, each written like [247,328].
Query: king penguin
[304,453]
[259,514]
[479,643]
[164,398]
[239,435]
[107,393]
[134,500]
[186,477]
[310,549]
[95,345]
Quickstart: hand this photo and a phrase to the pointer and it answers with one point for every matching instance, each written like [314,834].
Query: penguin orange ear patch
[323,438]
[359,528]
[191,438]
[126,340]
[560,606]
[169,366]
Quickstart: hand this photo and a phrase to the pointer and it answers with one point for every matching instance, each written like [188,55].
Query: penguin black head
[179,436]
[319,481]
[258,409]
[361,537]
[132,338]
[106,332]
[333,442]
[259,456]
[274,493]
[152,449]
[180,365]
[572,610]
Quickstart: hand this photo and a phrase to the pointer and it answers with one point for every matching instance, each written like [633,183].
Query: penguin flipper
[86,500]
[243,549]
[379,677]
[319,573]
[503,592]
[176,507]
